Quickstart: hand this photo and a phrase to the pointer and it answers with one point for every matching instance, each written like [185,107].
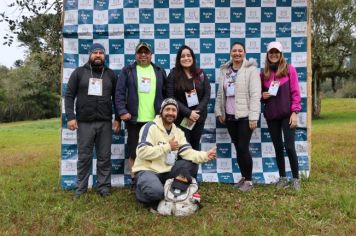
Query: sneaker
[154,211]
[296,184]
[240,183]
[282,183]
[78,194]
[246,186]
[104,193]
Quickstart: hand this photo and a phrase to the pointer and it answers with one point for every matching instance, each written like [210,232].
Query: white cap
[276,45]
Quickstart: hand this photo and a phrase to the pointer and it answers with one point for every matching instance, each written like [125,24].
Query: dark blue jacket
[126,96]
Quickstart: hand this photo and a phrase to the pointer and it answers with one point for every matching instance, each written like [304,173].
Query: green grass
[32,201]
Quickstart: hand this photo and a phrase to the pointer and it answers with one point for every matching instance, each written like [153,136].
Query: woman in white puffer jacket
[238,106]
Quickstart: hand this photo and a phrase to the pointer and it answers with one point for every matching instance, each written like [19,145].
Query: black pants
[133,131]
[193,136]
[240,134]
[275,128]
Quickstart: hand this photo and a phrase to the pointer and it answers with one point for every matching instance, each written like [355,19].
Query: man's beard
[168,119]
[97,64]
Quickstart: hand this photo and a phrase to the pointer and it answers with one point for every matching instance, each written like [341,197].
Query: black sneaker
[104,193]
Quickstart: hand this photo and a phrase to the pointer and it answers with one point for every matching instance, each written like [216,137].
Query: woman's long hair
[282,69]
[181,81]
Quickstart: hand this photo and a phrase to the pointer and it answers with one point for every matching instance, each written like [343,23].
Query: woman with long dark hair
[281,97]
[190,87]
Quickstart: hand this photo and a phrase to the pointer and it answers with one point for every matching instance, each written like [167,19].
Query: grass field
[32,201]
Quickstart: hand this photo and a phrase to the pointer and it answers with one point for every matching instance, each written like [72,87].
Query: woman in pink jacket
[281,98]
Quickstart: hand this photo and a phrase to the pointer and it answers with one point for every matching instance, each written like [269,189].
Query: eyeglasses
[143,52]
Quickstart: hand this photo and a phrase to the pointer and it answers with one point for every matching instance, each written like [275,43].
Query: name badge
[192,98]
[145,85]
[230,90]
[171,158]
[95,87]
[273,88]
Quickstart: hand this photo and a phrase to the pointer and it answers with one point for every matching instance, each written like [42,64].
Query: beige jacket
[247,91]
[154,146]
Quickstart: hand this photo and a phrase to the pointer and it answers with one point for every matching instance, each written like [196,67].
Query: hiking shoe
[240,183]
[296,184]
[282,183]
[246,186]
[104,193]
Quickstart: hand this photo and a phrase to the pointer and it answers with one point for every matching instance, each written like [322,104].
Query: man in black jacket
[93,85]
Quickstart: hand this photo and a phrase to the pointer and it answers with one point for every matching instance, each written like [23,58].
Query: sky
[9,54]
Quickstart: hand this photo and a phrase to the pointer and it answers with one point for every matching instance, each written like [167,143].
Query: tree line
[31,88]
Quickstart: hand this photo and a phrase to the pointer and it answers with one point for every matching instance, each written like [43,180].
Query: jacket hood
[246,63]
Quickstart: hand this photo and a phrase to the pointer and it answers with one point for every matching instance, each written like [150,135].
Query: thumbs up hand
[174,144]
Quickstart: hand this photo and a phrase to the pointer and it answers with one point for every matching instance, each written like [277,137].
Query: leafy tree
[333,44]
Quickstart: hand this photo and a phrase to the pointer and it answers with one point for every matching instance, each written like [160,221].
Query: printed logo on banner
[119,180]
[207,30]
[161,4]
[299,59]
[265,136]
[210,122]
[222,30]
[299,44]
[256,135]
[253,45]
[172,58]
[191,15]
[253,30]
[268,3]
[117,166]
[210,177]
[303,103]
[162,46]
[237,14]
[253,3]
[302,74]
[209,167]
[208,136]
[70,5]
[69,181]
[257,164]
[235,165]
[85,17]
[69,137]
[66,74]
[210,73]
[176,4]
[129,59]
[221,59]
[286,43]
[146,4]
[287,56]
[268,14]
[264,44]
[131,3]
[301,148]
[207,45]
[255,149]
[146,16]
[268,30]
[70,31]
[100,17]
[70,46]
[284,3]
[147,31]
[100,31]
[101,5]
[161,31]
[283,30]
[299,3]
[299,14]
[70,60]
[131,31]
[253,14]
[303,163]
[283,14]
[69,152]
[131,16]
[71,18]
[211,105]
[222,15]
[118,138]
[237,30]
[269,165]
[225,177]
[300,134]
[207,61]
[176,31]
[116,4]
[302,120]
[303,89]
[192,30]
[224,165]
[161,16]
[175,44]
[255,56]
[222,3]
[238,3]
[222,136]
[85,31]
[207,15]
[223,150]
[116,46]
[69,167]
[162,61]
[222,45]
[299,29]
[176,15]
[84,45]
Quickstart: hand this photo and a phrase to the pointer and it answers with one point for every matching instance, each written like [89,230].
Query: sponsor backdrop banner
[209,27]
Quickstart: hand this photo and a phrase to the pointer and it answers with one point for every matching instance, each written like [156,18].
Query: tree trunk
[316,100]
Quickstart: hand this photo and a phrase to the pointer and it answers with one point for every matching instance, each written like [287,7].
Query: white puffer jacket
[247,91]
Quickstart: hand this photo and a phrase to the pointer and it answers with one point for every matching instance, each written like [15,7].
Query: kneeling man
[162,153]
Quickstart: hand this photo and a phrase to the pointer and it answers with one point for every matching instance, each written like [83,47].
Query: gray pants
[90,134]
[149,185]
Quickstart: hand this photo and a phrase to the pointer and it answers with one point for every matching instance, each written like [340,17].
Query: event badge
[171,158]
[192,98]
[95,87]
[230,90]
[273,88]
[145,85]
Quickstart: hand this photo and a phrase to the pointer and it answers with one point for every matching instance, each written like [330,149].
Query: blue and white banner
[209,27]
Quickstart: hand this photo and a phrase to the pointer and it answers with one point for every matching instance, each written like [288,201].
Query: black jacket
[88,107]
[202,86]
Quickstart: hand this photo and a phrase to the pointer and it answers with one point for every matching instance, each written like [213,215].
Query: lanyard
[91,71]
